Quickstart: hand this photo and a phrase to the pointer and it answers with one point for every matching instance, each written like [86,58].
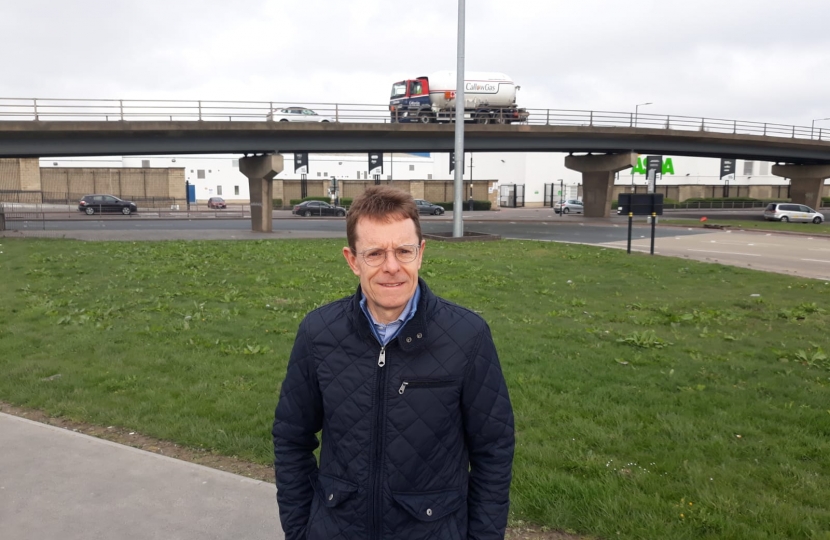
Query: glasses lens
[374,257]
[406,253]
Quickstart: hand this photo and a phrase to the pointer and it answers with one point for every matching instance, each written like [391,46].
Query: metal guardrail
[36,109]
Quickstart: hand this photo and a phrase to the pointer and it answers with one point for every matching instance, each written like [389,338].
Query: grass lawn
[655,397]
[752,225]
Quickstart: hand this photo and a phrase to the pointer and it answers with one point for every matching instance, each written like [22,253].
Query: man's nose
[391,263]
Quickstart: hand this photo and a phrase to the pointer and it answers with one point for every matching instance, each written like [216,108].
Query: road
[794,254]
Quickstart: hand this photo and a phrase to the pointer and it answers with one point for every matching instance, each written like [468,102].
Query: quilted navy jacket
[417,436]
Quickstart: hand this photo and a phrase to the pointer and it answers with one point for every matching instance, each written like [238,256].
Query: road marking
[816,260]
[725,252]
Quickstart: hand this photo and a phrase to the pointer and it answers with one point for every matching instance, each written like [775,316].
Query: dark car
[318,208]
[426,207]
[92,204]
[217,202]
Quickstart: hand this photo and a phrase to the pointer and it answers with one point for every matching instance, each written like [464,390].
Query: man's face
[388,286]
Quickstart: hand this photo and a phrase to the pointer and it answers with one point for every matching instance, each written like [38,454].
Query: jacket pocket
[425,383]
[333,491]
[431,506]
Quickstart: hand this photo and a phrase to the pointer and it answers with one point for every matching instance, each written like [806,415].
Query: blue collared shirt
[387,332]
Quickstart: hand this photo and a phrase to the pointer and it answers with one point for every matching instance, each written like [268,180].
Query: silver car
[792,212]
[296,114]
[567,207]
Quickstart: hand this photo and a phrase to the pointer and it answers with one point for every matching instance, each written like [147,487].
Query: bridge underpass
[609,144]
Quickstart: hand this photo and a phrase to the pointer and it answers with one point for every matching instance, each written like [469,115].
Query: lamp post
[457,223]
[813,125]
[637,109]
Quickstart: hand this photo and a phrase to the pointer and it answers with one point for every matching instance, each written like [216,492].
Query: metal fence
[37,109]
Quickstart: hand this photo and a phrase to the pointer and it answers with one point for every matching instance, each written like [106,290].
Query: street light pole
[637,110]
[457,205]
[813,125]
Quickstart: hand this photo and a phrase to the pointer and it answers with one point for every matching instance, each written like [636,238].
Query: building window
[749,166]
[412,167]
[145,163]
[429,177]
[200,174]
[319,174]
[764,168]
[236,190]
[325,174]
[218,190]
[235,163]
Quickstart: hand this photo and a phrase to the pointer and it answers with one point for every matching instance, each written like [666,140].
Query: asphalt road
[795,254]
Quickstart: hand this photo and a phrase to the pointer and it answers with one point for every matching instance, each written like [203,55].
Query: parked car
[90,204]
[297,114]
[566,207]
[426,207]
[791,212]
[318,208]
[217,202]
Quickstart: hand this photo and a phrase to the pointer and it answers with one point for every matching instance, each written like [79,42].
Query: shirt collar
[406,315]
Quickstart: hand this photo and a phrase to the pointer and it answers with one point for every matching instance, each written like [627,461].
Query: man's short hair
[381,203]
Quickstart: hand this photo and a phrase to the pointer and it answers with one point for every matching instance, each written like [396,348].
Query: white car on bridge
[297,114]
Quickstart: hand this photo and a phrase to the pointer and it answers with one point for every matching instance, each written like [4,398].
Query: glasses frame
[362,254]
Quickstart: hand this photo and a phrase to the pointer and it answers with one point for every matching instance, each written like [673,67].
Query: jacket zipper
[423,384]
[375,506]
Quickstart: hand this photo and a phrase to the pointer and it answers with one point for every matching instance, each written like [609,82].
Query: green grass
[654,397]
[807,228]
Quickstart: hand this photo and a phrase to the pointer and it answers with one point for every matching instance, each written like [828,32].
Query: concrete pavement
[56,483]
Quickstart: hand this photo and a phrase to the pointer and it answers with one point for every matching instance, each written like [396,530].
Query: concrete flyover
[806,161]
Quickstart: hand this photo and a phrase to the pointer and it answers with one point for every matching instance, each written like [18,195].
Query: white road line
[725,252]
[816,260]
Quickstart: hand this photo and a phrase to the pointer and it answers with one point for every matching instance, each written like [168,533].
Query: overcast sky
[765,60]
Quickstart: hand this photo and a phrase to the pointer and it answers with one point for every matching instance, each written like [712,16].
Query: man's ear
[351,258]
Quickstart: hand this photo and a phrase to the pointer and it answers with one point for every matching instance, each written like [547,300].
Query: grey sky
[759,60]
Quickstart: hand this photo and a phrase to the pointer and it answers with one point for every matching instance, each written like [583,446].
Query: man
[416,422]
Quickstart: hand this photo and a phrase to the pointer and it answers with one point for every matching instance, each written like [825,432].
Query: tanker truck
[488,98]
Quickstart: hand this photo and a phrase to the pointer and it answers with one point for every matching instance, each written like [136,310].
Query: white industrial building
[218,175]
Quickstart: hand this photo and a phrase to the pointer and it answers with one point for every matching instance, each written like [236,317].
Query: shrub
[277,204]
[477,205]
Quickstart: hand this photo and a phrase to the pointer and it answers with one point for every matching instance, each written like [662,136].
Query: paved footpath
[59,484]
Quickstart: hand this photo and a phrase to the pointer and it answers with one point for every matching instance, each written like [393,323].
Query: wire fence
[36,109]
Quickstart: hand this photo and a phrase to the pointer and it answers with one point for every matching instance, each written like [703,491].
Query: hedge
[477,205]
[277,204]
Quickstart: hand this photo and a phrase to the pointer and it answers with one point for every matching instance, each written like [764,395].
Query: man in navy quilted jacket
[417,426]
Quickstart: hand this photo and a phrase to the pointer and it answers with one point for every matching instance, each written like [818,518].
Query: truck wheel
[424,118]
[483,118]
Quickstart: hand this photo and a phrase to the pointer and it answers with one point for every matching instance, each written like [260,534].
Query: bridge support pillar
[806,182]
[261,171]
[598,179]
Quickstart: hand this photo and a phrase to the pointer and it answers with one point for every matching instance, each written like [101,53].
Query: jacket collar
[414,333]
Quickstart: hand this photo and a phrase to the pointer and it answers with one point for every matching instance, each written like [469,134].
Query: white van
[791,212]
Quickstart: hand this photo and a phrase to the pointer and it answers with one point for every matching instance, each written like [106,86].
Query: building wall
[19,174]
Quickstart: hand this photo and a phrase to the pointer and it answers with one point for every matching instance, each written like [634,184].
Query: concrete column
[598,179]
[806,182]
[261,171]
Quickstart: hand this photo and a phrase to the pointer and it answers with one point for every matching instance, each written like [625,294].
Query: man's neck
[385,316]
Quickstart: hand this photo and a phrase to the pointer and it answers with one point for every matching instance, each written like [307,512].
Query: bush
[825,201]
[277,204]
[477,205]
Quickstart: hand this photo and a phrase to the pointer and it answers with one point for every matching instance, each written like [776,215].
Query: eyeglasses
[376,256]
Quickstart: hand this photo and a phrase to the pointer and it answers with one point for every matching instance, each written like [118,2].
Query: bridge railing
[241,111]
